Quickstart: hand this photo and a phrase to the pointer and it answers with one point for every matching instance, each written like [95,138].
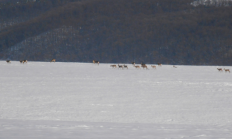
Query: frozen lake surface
[87,101]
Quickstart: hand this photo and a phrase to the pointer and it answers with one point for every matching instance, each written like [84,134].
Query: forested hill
[122,31]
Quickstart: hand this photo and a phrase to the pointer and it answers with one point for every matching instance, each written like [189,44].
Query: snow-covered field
[86,101]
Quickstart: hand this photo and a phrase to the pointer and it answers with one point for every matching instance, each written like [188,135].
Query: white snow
[83,100]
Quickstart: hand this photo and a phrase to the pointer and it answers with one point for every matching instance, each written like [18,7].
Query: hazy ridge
[150,31]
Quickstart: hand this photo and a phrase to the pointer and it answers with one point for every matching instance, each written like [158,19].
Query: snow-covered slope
[212,2]
[69,100]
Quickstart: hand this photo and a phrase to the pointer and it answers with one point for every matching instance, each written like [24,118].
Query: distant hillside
[212,2]
[150,31]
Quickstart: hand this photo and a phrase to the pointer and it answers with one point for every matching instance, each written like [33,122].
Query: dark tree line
[151,31]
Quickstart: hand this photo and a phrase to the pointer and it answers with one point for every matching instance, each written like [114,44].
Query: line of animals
[25,61]
[21,61]
[144,66]
[221,70]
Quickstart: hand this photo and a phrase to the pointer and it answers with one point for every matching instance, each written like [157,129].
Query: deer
[21,61]
[113,66]
[227,70]
[219,69]
[153,66]
[159,64]
[125,66]
[144,66]
[120,66]
[137,67]
[8,61]
[24,61]
[53,60]
[95,61]
[174,66]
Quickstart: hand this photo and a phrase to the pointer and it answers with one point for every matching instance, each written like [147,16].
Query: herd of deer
[21,61]
[144,66]
[25,61]
[221,70]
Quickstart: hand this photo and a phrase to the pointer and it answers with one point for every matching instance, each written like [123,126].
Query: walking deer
[153,66]
[159,64]
[113,66]
[137,67]
[227,70]
[144,66]
[219,69]
[53,60]
[125,66]
[95,61]
[120,66]
[23,61]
